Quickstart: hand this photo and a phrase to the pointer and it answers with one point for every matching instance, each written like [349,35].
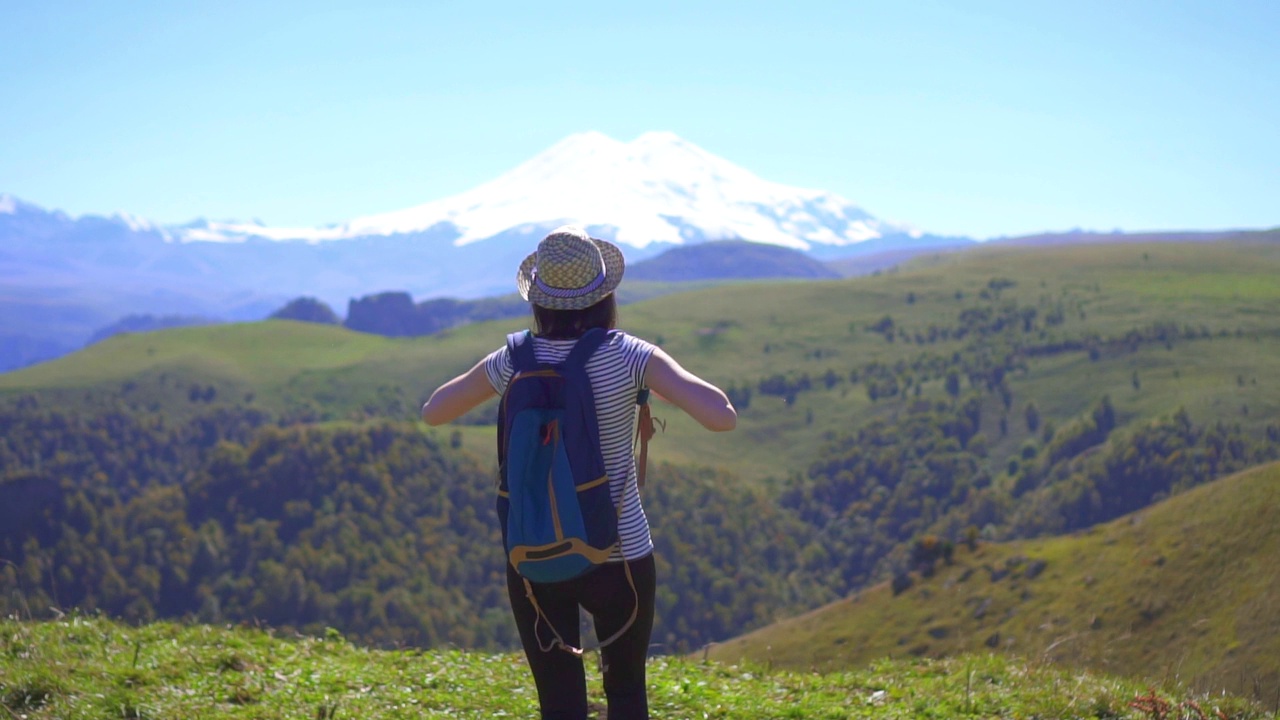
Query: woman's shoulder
[629,343]
[619,341]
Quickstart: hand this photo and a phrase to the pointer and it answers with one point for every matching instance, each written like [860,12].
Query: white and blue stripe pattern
[616,371]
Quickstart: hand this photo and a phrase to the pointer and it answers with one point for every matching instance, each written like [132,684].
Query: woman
[570,283]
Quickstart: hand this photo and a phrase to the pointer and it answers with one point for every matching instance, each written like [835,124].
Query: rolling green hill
[1184,590]
[1158,327]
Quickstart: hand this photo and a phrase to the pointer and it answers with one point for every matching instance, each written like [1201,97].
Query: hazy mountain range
[63,278]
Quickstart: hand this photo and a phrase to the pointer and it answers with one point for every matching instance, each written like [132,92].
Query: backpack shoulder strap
[585,347]
[520,345]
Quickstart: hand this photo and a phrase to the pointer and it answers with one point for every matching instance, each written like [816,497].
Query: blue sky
[974,118]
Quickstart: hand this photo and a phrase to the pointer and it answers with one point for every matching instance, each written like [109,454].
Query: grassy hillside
[91,668]
[743,333]
[738,335]
[1186,590]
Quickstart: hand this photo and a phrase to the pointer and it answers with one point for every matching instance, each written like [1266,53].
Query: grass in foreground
[95,668]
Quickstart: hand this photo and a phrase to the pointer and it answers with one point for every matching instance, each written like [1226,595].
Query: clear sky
[974,118]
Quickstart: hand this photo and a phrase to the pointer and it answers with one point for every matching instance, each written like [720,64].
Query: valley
[1012,393]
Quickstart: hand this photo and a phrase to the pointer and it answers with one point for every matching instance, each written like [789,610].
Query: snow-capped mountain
[656,189]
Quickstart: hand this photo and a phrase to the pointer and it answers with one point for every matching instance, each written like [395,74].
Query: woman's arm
[454,398]
[704,402]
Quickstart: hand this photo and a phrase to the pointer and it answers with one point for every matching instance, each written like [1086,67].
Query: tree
[953,382]
[1032,414]
[306,309]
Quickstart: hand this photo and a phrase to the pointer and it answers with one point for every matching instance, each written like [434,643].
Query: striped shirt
[616,371]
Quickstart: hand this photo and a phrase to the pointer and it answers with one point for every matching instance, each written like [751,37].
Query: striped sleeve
[498,367]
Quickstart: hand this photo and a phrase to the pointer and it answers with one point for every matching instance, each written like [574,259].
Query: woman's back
[616,371]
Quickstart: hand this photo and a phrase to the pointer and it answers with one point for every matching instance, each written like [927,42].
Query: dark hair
[570,324]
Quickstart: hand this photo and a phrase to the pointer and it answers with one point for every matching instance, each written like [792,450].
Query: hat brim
[614,267]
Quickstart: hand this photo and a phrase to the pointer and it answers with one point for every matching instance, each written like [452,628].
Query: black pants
[559,675]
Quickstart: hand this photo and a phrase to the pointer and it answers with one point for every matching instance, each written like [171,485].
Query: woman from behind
[570,282]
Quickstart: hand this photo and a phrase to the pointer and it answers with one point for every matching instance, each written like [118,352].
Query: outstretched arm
[704,402]
[454,398]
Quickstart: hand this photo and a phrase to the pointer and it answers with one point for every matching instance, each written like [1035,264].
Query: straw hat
[570,270]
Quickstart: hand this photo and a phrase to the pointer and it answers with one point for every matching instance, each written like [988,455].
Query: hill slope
[1186,589]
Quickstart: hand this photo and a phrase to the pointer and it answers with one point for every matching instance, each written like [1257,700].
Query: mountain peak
[657,188]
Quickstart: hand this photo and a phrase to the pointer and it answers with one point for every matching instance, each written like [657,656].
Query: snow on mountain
[32,213]
[657,188]
[136,223]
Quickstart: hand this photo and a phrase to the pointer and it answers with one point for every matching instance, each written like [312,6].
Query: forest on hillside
[375,529]
[382,531]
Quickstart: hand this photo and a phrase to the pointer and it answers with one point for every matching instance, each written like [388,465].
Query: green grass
[1186,590]
[92,668]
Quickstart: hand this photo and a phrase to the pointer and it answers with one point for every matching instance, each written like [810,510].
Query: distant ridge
[1087,237]
[729,260]
[148,323]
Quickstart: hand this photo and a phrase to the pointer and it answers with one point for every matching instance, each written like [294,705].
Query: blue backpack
[558,518]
